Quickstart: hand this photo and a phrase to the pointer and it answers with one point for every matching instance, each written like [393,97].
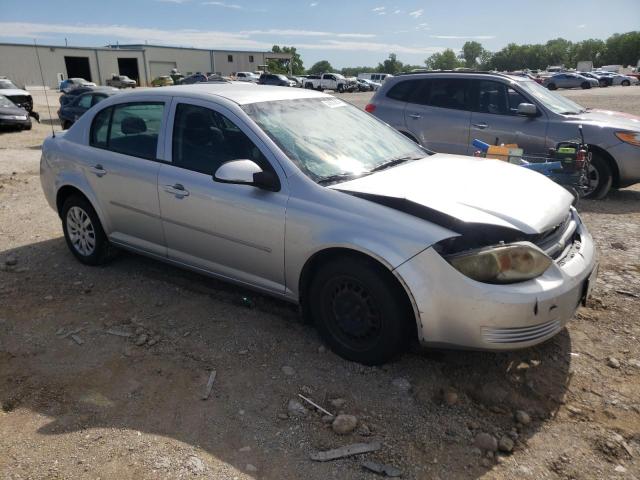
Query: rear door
[122,169]
[438,114]
[495,119]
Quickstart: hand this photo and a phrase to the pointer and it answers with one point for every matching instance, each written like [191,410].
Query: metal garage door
[161,68]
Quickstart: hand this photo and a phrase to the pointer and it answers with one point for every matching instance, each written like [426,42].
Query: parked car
[162,81]
[617,79]
[195,78]
[12,116]
[297,80]
[71,83]
[247,77]
[305,197]
[326,81]
[569,80]
[365,85]
[21,98]
[603,80]
[446,111]
[121,81]
[276,79]
[70,112]
[72,94]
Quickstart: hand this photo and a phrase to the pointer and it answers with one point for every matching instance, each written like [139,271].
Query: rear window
[450,93]
[404,91]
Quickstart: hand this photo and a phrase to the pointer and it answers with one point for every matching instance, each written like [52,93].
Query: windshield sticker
[334,103]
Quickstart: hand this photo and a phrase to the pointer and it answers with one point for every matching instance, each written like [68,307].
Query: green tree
[285,66]
[622,49]
[391,65]
[445,60]
[558,51]
[590,50]
[471,52]
[323,66]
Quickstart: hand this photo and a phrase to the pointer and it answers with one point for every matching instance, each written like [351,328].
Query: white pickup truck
[327,81]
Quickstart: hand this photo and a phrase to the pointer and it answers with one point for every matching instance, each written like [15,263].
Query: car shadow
[109,383]
[621,201]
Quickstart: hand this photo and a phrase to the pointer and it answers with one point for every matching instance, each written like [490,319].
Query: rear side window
[447,93]
[404,91]
[131,129]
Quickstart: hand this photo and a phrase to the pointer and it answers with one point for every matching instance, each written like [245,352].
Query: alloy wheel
[81,231]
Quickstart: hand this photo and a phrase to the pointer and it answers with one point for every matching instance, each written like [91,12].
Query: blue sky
[347,32]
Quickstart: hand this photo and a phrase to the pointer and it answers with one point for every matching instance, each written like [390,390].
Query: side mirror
[527,110]
[246,172]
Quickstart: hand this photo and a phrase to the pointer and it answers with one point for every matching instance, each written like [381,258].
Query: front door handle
[415,116]
[176,189]
[480,126]
[98,170]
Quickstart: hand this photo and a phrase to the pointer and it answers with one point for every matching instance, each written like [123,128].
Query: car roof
[459,74]
[237,92]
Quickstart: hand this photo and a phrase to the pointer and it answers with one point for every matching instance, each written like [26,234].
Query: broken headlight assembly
[502,264]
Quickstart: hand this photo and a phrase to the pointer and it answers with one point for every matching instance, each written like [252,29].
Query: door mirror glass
[246,172]
[527,110]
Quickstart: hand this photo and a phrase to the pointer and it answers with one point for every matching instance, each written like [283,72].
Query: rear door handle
[481,126]
[415,116]
[98,170]
[176,189]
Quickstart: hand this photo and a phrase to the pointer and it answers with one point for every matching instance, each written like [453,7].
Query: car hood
[12,92]
[13,111]
[610,119]
[467,190]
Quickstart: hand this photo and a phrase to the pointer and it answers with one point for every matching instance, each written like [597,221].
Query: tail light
[581,157]
[370,108]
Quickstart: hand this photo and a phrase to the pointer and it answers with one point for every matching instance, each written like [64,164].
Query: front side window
[132,129]
[204,139]
[326,136]
[404,91]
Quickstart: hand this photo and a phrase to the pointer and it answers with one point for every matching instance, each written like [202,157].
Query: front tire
[359,311]
[626,83]
[83,231]
[585,85]
[600,178]
[552,86]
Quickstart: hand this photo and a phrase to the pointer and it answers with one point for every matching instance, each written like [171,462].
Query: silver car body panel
[264,240]
[533,134]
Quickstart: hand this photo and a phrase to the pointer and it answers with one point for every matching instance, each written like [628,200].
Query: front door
[495,119]
[438,115]
[235,231]
[122,169]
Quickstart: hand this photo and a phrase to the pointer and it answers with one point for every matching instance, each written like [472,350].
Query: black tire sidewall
[605,178]
[388,300]
[102,250]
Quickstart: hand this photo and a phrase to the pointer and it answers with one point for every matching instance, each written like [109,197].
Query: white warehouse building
[141,62]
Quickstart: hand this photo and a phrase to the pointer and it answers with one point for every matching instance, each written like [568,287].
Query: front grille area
[520,334]
[558,241]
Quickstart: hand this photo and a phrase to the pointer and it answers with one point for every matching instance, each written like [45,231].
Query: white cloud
[379,9]
[206,39]
[417,13]
[173,1]
[396,12]
[306,33]
[314,4]
[233,6]
[582,25]
[463,37]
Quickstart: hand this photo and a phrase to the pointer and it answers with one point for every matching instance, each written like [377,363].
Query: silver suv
[446,111]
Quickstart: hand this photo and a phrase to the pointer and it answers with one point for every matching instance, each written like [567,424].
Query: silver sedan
[302,196]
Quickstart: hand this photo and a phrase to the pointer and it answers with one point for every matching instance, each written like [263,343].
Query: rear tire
[585,85]
[83,232]
[600,175]
[552,86]
[340,89]
[359,311]
[625,83]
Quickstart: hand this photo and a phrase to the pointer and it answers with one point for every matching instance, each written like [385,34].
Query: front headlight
[502,264]
[629,137]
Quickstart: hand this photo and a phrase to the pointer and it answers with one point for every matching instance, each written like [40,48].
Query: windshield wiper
[340,177]
[391,163]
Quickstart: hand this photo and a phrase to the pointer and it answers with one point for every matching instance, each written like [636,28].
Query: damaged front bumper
[454,310]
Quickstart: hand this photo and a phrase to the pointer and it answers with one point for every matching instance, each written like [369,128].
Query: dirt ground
[80,398]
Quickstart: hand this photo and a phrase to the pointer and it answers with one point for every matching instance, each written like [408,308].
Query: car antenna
[44,88]
[581,133]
